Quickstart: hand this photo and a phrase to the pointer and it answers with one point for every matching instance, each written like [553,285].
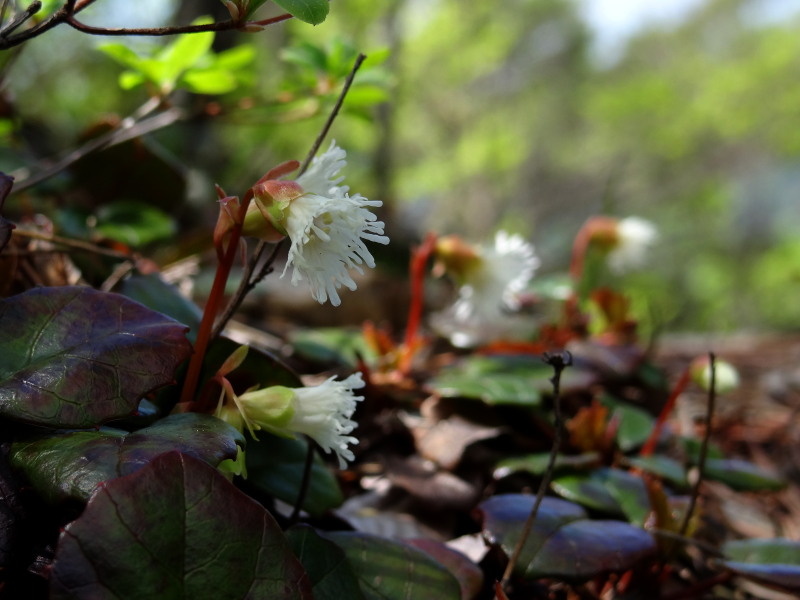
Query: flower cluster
[490,280]
[327,226]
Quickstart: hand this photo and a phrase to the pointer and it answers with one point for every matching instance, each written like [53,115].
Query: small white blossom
[322,412]
[489,295]
[634,236]
[328,227]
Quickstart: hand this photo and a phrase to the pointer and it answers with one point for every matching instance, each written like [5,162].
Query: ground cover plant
[517,441]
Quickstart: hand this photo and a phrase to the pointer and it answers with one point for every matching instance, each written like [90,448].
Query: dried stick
[559,361]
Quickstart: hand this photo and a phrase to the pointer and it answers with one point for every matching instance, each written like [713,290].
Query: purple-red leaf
[563,543]
[175,529]
[76,357]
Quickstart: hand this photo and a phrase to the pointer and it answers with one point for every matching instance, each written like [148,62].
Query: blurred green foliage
[467,119]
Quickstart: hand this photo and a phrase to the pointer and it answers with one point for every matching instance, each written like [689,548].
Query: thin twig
[70,243]
[701,460]
[559,361]
[32,9]
[249,276]
[173,30]
[334,113]
[129,128]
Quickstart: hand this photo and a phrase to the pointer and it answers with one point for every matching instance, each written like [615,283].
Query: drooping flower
[322,412]
[327,226]
[490,281]
[633,239]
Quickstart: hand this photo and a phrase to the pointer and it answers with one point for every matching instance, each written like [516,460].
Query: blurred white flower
[489,294]
[633,239]
[322,412]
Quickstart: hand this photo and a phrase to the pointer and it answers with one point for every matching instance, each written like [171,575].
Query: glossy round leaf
[310,11]
[391,570]
[327,566]
[175,529]
[562,542]
[742,475]
[70,465]
[76,357]
[773,561]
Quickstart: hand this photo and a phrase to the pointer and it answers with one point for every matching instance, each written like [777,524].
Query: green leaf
[391,570]
[175,529]
[76,357]
[327,566]
[773,561]
[209,81]
[612,491]
[310,11]
[134,223]
[275,466]
[184,53]
[562,542]
[336,345]
[152,291]
[635,424]
[537,463]
[70,465]
[306,55]
[742,475]
[663,466]
[467,573]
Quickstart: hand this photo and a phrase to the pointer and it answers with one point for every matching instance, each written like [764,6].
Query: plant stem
[304,482]
[419,258]
[701,460]
[559,361]
[650,445]
[204,336]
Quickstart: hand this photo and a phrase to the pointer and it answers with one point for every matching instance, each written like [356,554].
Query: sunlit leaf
[175,529]
[76,357]
[310,11]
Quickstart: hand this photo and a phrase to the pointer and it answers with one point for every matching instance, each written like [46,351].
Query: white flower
[489,294]
[323,412]
[634,236]
[328,227]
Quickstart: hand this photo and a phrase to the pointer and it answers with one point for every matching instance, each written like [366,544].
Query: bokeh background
[526,115]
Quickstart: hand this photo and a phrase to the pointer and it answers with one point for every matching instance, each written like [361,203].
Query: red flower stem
[419,258]
[213,305]
[650,445]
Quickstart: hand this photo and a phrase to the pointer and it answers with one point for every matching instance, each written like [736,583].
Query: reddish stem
[419,259]
[213,305]
[650,445]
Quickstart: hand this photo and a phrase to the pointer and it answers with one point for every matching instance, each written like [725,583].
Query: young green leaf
[310,11]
